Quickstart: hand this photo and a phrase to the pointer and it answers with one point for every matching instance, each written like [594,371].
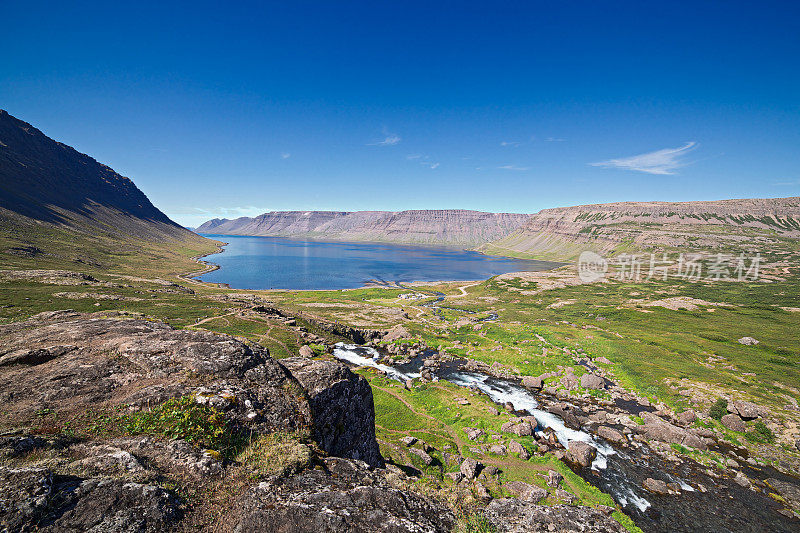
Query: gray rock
[344,496]
[498,449]
[469,468]
[592,381]
[427,459]
[34,498]
[306,351]
[533,383]
[656,428]
[342,409]
[748,341]
[747,410]
[553,478]
[789,491]
[516,447]
[525,491]
[511,515]
[455,476]
[408,440]
[474,433]
[580,453]
[733,422]
[687,417]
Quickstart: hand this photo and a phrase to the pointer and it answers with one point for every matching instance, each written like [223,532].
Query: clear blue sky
[223,110]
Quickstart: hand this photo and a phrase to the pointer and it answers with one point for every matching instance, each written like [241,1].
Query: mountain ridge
[737,224]
[436,226]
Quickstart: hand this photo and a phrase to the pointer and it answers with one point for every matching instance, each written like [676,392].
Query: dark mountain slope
[58,203]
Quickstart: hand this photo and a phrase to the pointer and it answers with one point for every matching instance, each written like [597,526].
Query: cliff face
[42,180]
[562,233]
[447,226]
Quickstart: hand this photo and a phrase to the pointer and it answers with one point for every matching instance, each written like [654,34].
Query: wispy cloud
[787,183]
[390,139]
[664,161]
[511,143]
[194,216]
[423,160]
[554,140]
[513,167]
[286,155]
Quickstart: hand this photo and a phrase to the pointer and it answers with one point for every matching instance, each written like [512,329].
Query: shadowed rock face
[445,226]
[344,496]
[342,409]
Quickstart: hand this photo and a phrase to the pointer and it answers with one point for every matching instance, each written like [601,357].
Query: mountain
[51,192]
[445,227]
[562,233]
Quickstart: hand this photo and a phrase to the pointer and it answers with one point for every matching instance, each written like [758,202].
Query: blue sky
[217,110]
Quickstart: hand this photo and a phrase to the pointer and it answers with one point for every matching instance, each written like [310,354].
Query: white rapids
[501,391]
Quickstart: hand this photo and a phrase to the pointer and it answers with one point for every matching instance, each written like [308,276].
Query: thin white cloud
[787,183]
[194,216]
[513,167]
[554,140]
[390,139]
[413,156]
[286,155]
[433,165]
[664,161]
[510,143]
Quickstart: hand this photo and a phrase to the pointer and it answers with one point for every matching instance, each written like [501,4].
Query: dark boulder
[510,515]
[342,408]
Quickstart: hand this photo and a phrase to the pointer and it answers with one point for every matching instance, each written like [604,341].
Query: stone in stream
[611,435]
[469,468]
[580,453]
[656,486]
[733,422]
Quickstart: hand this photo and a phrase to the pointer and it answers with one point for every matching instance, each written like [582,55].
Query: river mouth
[708,501]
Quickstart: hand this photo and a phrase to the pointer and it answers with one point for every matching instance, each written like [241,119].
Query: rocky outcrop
[115,483]
[342,409]
[342,496]
[656,428]
[511,515]
[34,499]
[580,454]
[447,226]
[140,363]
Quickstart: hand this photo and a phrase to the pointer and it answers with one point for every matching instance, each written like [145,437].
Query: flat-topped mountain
[446,226]
[48,188]
[562,233]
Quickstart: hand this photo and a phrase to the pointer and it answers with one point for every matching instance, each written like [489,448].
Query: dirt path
[209,319]
[464,288]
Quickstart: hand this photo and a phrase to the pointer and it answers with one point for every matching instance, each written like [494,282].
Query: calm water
[279,263]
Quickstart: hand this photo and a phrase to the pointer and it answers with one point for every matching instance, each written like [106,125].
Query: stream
[705,504]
